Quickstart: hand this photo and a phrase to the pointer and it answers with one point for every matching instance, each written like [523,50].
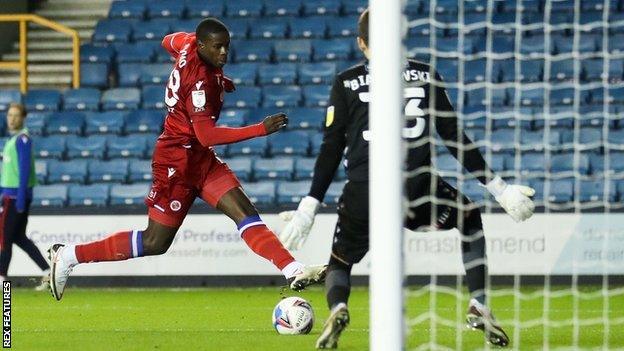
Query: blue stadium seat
[534,140]
[234,118]
[304,168]
[173,9]
[532,97]
[73,171]
[155,73]
[50,196]
[317,73]
[587,43]
[112,30]
[65,123]
[475,97]
[244,8]
[279,168]
[530,70]
[96,54]
[503,140]
[306,118]
[342,26]
[241,166]
[474,70]
[187,26]
[134,194]
[94,75]
[261,28]
[238,27]
[308,27]
[564,163]
[81,99]
[447,165]
[615,94]
[562,70]
[321,7]
[243,97]
[290,143]
[354,7]
[316,140]
[127,9]
[334,192]
[561,96]
[203,9]
[242,74]
[283,73]
[121,99]
[126,146]
[282,7]
[616,43]
[8,96]
[88,195]
[447,68]
[330,50]
[561,190]
[152,97]
[105,122]
[531,164]
[596,191]
[616,164]
[593,70]
[589,138]
[41,171]
[316,95]
[42,100]
[281,96]
[293,50]
[615,139]
[129,74]
[92,147]
[50,147]
[260,193]
[140,170]
[144,121]
[108,171]
[251,147]
[290,193]
[141,52]
[36,122]
[253,51]
[149,30]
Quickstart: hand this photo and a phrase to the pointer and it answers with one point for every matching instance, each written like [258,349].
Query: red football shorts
[180,174]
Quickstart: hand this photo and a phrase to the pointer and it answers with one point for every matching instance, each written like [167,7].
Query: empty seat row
[278,168]
[261,193]
[246,8]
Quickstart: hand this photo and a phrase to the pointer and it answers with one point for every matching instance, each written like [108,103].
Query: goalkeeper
[346,127]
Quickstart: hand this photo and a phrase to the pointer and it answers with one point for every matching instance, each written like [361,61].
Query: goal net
[538,86]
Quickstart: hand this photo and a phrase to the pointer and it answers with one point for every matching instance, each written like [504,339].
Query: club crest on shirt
[199,99]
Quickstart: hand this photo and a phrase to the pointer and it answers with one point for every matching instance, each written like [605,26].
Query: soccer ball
[293,315]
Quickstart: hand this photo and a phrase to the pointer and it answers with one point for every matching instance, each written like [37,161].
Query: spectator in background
[17,180]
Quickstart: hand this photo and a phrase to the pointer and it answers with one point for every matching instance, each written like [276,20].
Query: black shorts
[350,242]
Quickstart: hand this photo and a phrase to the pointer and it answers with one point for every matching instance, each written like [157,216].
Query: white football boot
[59,271]
[306,276]
[335,324]
[480,317]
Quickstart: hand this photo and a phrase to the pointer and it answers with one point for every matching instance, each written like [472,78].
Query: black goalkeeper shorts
[350,242]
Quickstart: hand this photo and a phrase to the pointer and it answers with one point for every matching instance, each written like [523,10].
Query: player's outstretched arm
[209,134]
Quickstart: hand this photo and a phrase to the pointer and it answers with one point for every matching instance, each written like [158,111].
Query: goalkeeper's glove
[298,223]
[514,199]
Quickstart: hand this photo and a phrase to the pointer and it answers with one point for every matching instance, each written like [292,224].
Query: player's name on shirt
[410,75]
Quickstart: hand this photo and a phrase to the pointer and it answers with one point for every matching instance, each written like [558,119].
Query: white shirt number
[414,96]
[171,91]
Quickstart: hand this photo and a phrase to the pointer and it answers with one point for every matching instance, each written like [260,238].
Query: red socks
[263,242]
[116,247]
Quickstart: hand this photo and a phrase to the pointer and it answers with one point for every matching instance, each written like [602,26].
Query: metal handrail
[22,64]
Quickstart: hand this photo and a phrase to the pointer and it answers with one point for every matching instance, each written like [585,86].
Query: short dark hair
[363,26]
[209,26]
[18,106]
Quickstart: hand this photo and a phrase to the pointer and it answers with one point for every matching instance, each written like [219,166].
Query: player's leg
[9,227]
[468,221]
[24,243]
[349,246]
[222,190]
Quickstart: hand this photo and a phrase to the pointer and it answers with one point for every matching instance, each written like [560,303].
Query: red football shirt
[194,91]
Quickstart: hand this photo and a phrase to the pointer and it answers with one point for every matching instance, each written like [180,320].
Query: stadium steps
[50,55]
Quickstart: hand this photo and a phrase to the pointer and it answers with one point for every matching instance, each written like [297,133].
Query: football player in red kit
[184,166]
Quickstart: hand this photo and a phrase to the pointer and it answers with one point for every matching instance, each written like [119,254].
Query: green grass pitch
[240,319]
